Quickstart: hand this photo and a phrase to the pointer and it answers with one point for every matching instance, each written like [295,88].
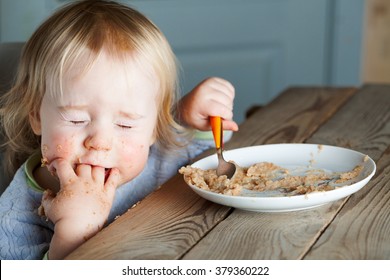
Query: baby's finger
[221,99]
[230,125]
[46,203]
[84,170]
[98,174]
[218,109]
[112,182]
[223,86]
[63,169]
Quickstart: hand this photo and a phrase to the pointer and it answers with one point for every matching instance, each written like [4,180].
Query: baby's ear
[35,122]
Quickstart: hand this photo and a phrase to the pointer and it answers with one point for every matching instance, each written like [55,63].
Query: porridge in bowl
[281,177]
[266,176]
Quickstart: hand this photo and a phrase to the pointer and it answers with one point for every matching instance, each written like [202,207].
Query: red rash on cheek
[60,147]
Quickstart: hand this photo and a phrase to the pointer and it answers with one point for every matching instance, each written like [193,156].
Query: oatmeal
[266,176]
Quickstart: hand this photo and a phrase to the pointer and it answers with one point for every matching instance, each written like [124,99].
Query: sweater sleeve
[23,233]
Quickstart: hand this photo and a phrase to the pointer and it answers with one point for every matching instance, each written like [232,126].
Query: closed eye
[78,122]
[124,126]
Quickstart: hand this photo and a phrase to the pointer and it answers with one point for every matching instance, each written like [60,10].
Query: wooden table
[175,223]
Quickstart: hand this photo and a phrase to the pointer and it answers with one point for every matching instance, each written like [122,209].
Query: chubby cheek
[58,146]
[133,160]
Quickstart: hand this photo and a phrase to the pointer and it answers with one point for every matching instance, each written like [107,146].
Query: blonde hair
[60,42]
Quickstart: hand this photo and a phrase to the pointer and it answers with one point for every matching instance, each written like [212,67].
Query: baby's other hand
[212,97]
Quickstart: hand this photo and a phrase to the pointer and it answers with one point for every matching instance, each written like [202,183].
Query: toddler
[93,126]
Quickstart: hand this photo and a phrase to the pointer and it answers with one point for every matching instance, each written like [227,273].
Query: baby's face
[106,117]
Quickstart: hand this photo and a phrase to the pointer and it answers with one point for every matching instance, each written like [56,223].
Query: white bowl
[325,157]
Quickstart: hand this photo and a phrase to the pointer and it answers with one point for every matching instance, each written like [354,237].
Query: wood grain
[250,235]
[292,117]
[362,228]
[178,220]
[170,221]
[363,124]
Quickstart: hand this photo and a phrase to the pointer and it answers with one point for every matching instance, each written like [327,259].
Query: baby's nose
[99,142]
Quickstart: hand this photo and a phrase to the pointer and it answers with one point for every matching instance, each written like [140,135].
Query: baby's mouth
[107,170]
[106,173]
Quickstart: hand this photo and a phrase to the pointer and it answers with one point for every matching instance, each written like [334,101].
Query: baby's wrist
[67,238]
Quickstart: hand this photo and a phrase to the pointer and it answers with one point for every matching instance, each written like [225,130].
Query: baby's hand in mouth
[98,173]
[83,203]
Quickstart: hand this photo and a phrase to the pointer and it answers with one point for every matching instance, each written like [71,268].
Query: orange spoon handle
[216,126]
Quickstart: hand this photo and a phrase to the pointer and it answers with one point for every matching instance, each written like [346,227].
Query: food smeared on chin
[266,176]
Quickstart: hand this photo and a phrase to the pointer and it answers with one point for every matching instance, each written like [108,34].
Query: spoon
[224,167]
